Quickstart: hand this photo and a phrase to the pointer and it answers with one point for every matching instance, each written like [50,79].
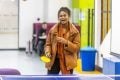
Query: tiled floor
[26,64]
[79,70]
[29,64]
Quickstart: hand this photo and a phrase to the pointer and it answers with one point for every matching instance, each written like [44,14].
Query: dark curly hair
[65,9]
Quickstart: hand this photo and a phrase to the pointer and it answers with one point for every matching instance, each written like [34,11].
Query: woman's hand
[61,40]
[47,54]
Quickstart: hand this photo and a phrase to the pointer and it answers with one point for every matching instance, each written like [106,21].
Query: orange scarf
[61,33]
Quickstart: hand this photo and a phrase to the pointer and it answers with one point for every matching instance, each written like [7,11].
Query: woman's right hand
[47,54]
[48,65]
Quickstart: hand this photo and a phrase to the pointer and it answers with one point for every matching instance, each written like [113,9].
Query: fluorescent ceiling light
[13,0]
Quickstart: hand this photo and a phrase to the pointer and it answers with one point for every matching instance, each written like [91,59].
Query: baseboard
[98,68]
[8,49]
[22,49]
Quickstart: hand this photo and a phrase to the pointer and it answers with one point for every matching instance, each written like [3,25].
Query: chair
[9,71]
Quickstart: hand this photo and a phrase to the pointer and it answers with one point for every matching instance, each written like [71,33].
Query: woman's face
[63,17]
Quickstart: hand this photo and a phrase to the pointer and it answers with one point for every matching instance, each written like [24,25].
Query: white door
[8,24]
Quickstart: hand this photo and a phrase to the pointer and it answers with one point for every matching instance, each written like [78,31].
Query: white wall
[53,7]
[29,11]
[97,28]
[104,47]
[115,43]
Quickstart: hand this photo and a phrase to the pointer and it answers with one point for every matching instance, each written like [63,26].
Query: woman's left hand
[61,40]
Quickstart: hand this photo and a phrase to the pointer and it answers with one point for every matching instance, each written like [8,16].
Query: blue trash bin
[87,55]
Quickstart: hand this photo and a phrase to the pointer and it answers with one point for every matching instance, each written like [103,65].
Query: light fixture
[24,0]
[12,0]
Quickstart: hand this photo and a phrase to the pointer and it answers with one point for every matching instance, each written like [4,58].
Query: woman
[62,45]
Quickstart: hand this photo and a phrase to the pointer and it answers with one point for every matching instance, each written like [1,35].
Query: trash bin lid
[88,49]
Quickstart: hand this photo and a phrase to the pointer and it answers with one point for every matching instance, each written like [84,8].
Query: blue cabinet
[111,66]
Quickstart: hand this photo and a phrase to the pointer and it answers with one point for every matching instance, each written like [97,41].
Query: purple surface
[9,71]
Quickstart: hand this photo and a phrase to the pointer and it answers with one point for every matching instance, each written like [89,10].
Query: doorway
[8,24]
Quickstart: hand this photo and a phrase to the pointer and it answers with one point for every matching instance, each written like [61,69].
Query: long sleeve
[74,46]
[48,43]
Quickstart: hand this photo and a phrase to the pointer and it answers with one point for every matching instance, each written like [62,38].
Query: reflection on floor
[29,64]
[78,69]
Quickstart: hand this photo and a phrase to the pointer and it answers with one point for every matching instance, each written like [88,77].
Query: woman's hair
[65,9]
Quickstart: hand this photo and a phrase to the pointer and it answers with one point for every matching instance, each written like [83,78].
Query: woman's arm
[73,46]
[48,43]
